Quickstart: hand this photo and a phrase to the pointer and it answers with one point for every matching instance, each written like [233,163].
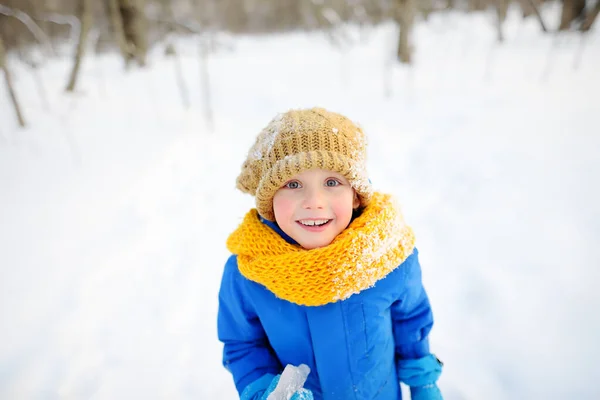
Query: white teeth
[313,222]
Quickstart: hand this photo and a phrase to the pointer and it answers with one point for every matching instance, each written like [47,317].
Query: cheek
[282,207]
[343,207]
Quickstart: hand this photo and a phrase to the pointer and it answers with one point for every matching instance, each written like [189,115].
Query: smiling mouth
[313,223]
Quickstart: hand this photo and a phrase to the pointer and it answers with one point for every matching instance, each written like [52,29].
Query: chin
[315,245]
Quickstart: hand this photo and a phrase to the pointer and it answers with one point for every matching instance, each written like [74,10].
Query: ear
[356,201]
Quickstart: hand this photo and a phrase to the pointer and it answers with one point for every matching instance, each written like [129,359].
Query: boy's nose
[314,200]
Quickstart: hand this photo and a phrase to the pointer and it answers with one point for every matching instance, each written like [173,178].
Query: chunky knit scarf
[373,245]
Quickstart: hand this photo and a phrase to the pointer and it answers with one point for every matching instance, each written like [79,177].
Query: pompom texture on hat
[299,140]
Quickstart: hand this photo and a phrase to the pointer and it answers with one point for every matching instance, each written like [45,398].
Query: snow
[116,202]
[267,137]
[292,380]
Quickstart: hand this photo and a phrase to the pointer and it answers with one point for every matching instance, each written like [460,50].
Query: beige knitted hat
[299,140]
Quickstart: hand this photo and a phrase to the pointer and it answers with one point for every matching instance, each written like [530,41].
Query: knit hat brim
[290,166]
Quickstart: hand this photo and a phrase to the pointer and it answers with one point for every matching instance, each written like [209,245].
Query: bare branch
[37,32]
[118,31]
[9,85]
[86,22]
[536,10]
[62,19]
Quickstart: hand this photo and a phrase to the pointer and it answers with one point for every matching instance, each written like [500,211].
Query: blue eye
[292,185]
[332,182]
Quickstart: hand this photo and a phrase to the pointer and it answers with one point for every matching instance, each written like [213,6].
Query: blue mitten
[421,375]
[428,392]
[261,388]
[256,389]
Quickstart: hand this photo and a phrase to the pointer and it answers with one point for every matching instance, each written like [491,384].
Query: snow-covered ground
[116,202]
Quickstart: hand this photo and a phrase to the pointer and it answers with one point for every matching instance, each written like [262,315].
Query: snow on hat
[297,141]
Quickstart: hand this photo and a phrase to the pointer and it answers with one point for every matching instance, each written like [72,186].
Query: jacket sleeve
[411,313]
[247,353]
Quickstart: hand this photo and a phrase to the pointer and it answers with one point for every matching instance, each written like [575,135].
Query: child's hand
[421,374]
[428,392]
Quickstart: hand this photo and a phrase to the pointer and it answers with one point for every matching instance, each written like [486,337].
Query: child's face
[314,207]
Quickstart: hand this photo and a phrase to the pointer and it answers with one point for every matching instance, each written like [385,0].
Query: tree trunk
[405,16]
[169,15]
[571,10]
[116,22]
[477,5]
[425,8]
[11,91]
[526,8]
[135,27]
[532,5]
[591,17]
[85,12]
[501,11]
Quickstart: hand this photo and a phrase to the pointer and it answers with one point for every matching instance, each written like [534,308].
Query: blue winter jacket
[352,347]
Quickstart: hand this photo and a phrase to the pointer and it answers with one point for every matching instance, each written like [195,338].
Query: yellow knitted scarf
[372,246]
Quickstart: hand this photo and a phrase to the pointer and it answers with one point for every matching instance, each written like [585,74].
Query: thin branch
[62,19]
[536,10]
[37,32]
[118,30]
[86,22]
[9,85]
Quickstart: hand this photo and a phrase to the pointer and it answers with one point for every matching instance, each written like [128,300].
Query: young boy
[324,272]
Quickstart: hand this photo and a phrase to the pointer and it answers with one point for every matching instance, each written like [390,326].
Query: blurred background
[124,124]
[135,27]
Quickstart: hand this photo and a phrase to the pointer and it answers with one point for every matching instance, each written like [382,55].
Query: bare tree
[591,17]
[116,22]
[571,10]
[129,26]
[85,12]
[11,91]
[135,28]
[37,32]
[425,8]
[531,7]
[477,5]
[405,16]
[501,11]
